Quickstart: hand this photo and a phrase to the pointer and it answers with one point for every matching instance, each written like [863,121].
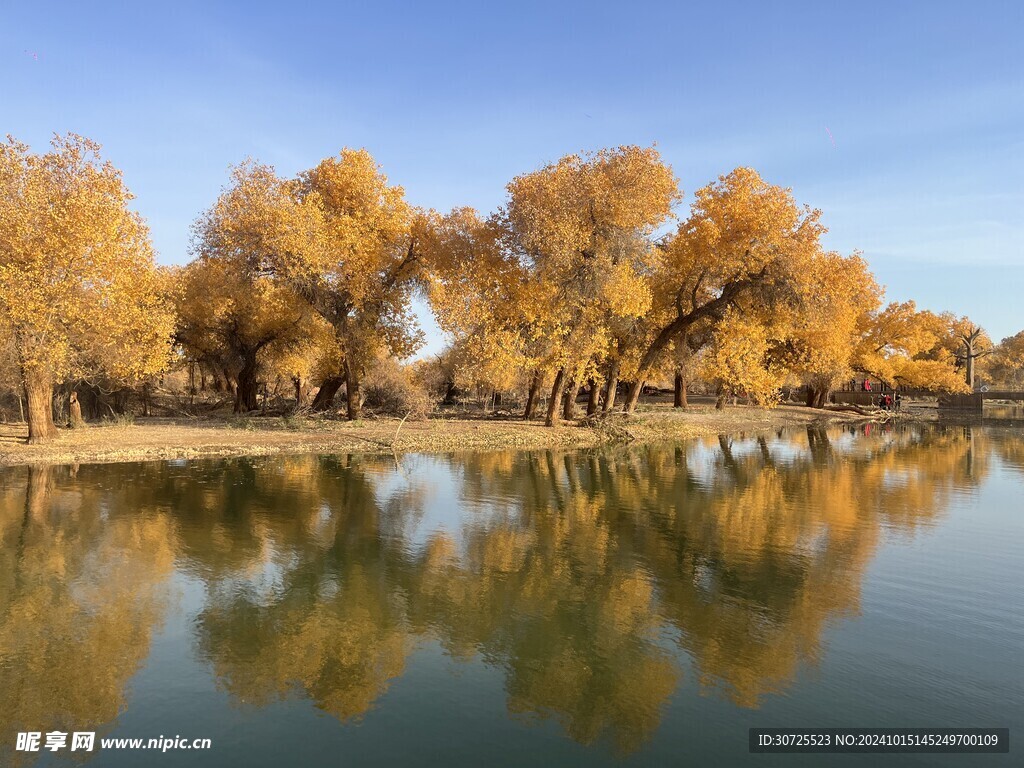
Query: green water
[637,605]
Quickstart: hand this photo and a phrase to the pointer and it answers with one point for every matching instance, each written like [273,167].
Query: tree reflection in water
[592,579]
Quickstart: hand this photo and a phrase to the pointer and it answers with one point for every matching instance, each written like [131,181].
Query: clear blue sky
[924,101]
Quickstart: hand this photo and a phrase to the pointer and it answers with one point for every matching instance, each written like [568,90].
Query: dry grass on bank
[160,438]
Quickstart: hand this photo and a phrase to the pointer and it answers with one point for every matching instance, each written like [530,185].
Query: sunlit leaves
[554,273]
[1006,365]
[79,292]
[904,345]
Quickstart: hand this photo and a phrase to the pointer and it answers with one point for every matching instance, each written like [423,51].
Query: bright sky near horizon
[903,122]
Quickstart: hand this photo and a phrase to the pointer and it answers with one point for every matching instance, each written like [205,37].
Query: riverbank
[161,438]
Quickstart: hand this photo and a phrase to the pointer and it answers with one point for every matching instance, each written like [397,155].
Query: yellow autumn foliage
[79,292]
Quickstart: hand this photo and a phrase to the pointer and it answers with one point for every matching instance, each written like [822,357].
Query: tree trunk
[611,387]
[352,393]
[569,403]
[245,393]
[297,381]
[722,393]
[39,394]
[75,410]
[634,395]
[229,383]
[593,397]
[556,397]
[680,395]
[325,395]
[817,397]
[970,354]
[678,328]
[534,396]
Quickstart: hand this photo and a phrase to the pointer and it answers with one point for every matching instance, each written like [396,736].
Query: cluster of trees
[575,283]
[583,279]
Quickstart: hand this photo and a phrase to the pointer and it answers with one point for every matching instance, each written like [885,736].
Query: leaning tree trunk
[229,381]
[634,395]
[592,398]
[680,394]
[325,395]
[38,387]
[611,387]
[556,398]
[245,393]
[352,393]
[534,396]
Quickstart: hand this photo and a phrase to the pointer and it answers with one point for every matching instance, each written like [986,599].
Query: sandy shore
[157,438]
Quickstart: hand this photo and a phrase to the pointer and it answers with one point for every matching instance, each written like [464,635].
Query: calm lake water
[637,605]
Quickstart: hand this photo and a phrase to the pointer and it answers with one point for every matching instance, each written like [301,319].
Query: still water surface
[625,606]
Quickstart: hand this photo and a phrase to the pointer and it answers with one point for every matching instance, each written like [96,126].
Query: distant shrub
[392,388]
[242,422]
[120,419]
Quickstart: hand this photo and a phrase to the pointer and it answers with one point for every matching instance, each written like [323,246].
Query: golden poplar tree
[232,312]
[1007,363]
[839,301]
[747,244]
[79,292]
[361,274]
[532,291]
[912,347]
[484,297]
